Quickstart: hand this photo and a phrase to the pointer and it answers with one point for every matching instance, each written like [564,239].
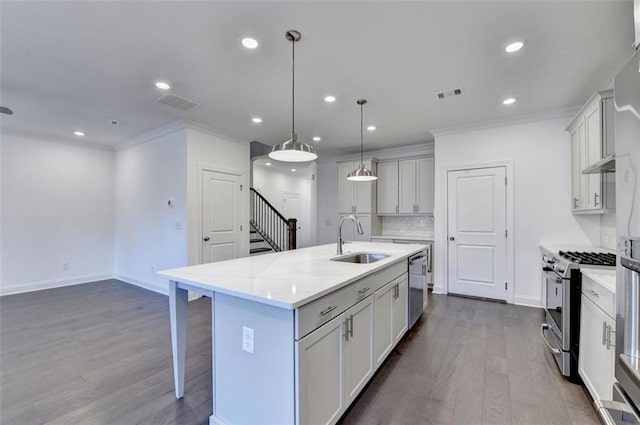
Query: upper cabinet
[355,197]
[406,186]
[591,136]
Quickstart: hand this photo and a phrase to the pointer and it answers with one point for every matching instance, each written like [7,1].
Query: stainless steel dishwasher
[417,285]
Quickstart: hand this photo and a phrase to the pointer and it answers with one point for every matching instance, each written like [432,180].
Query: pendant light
[291,150]
[361,174]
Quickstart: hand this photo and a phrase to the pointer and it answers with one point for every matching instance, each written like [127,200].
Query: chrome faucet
[358,229]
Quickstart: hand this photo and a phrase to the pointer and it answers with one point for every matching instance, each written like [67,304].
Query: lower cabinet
[597,351]
[336,360]
[391,309]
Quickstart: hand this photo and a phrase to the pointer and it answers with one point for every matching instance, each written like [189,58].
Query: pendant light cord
[293,87]
[361,139]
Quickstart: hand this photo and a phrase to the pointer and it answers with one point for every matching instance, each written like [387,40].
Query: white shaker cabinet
[591,136]
[359,361]
[321,374]
[596,362]
[408,186]
[355,197]
[391,309]
[388,188]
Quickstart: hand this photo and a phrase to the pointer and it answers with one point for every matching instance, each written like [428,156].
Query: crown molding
[507,122]
[153,134]
[426,148]
[193,125]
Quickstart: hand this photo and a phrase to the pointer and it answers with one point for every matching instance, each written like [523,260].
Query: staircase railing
[278,231]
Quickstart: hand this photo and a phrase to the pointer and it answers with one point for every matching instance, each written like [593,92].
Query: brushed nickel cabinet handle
[328,310]
[363,290]
[604,333]
[595,199]
[609,332]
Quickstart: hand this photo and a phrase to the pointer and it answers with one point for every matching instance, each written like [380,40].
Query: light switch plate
[247,339]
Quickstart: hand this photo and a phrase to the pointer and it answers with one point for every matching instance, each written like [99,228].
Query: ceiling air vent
[177,102]
[450,93]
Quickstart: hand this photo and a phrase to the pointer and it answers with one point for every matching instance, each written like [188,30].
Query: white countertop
[289,279]
[604,277]
[406,237]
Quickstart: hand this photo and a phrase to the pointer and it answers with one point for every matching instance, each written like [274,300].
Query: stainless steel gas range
[563,284]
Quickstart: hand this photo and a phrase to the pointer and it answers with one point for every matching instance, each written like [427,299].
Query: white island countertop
[289,279]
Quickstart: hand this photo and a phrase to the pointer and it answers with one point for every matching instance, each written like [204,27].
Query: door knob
[206,238]
[451,238]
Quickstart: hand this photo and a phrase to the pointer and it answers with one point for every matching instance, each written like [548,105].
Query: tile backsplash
[408,225]
[608,230]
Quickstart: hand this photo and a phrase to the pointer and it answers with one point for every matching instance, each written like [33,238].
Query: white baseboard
[164,290]
[49,284]
[528,301]
[437,289]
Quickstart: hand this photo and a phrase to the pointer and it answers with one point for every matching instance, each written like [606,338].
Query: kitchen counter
[288,279]
[604,277]
[277,318]
[428,238]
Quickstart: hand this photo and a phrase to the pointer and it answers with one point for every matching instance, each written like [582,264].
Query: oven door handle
[543,327]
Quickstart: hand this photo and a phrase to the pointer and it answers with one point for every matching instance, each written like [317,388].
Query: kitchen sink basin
[361,258]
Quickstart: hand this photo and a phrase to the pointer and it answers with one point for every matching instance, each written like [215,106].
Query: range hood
[605,165]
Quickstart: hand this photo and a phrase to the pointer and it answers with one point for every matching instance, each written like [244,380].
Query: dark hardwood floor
[100,353]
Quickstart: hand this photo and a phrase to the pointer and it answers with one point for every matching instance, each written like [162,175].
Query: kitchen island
[296,334]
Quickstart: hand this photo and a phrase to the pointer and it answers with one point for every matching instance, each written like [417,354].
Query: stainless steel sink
[361,258]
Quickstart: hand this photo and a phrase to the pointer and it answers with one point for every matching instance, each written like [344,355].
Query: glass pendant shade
[293,151]
[362,174]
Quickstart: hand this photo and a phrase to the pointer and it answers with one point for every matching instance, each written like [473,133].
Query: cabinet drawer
[600,295]
[318,312]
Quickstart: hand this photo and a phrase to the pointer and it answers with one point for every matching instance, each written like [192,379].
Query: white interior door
[221,215]
[477,238]
[291,205]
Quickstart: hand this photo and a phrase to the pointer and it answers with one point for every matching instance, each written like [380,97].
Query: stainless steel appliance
[563,283]
[625,406]
[418,265]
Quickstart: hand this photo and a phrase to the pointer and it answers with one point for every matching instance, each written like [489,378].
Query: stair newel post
[292,225]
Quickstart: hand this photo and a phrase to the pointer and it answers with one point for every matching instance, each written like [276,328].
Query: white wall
[219,152]
[328,184]
[273,183]
[540,152]
[57,207]
[150,235]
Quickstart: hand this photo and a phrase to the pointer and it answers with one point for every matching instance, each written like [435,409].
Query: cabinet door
[359,362]
[363,191]
[388,188]
[596,361]
[400,309]
[346,204]
[407,186]
[425,184]
[593,154]
[320,385]
[383,323]
[577,202]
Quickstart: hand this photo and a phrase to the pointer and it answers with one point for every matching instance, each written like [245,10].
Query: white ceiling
[74,65]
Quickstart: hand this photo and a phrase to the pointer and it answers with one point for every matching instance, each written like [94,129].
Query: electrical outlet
[153,269]
[65,266]
[247,339]
[178,225]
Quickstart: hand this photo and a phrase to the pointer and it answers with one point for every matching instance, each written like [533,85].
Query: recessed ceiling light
[250,43]
[514,47]
[163,85]
[267,164]
[256,120]
[330,99]
[371,128]
[293,170]
[509,101]
[78,133]
[317,139]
